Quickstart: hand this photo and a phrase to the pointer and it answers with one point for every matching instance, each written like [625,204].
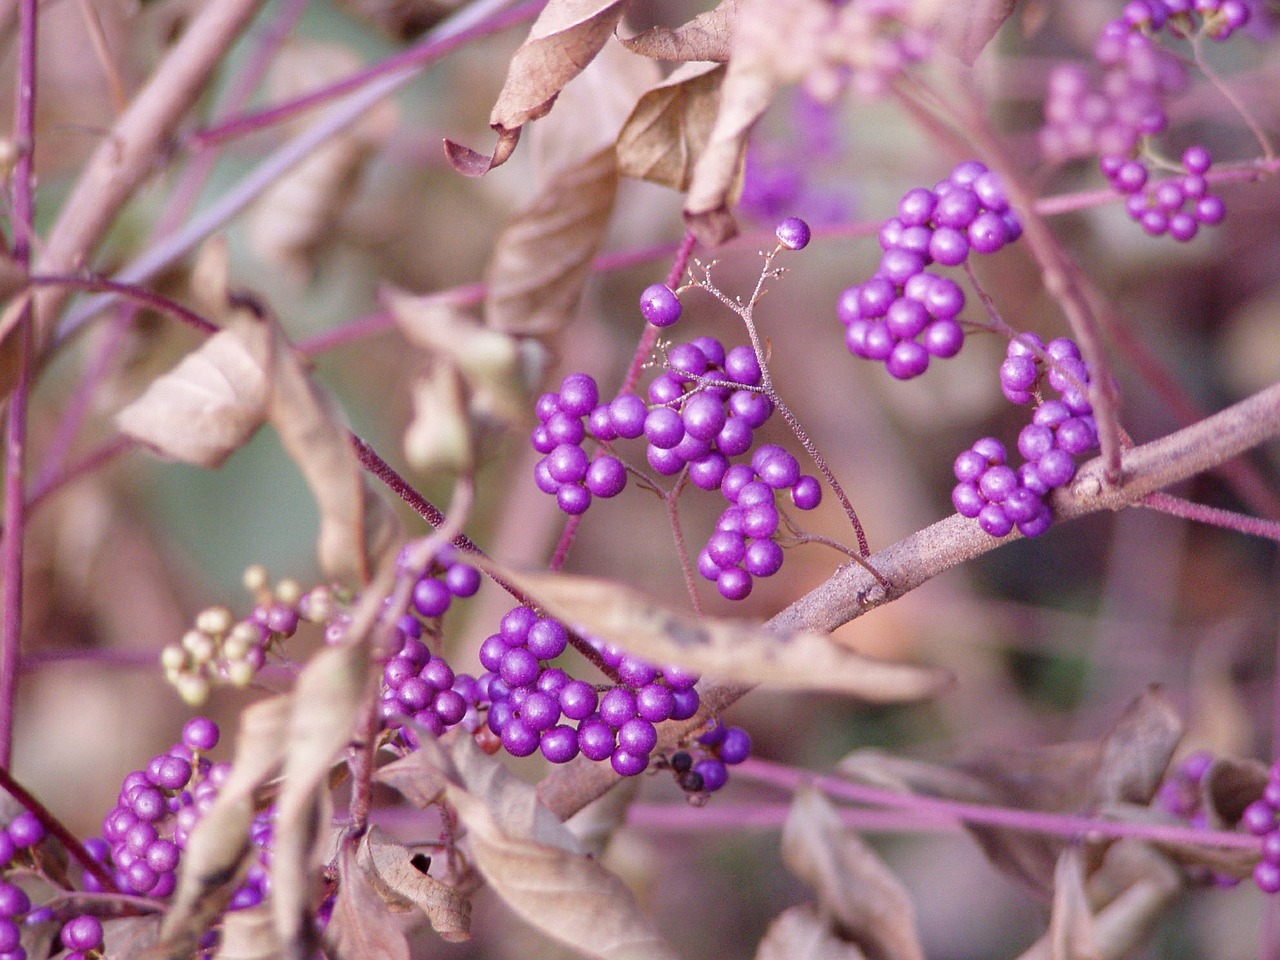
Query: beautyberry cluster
[566,471]
[1114,116]
[420,685]
[145,833]
[82,937]
[703,410]
[23,833]
[989,488]
[718,749]
[1178,206]
[905,315]
[1262,819]
[535,706]
[743,545]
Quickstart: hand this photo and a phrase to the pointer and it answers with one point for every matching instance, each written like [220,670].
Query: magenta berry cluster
[24,832]
[1262,819]
[422,686]
[704,409]
[1182,796]
[1177,206]
[905,314]
[566,471]
[534,706]
[744,545]
[145,833]
[988,487]
[1114,115]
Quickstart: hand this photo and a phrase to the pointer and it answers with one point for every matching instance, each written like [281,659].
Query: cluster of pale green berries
[221,650]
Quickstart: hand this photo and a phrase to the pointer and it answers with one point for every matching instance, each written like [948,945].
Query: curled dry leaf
[731,650]
[248,935]
[362,927]
[802,933]
[1071,933]
[853,885]
[530,859]
[213,401]
[218,848]
[438,438]
[708,36]
[565,38]
[669,128]
[330,693]
[542,259]
[358,530]
[1083,777]
[389,867]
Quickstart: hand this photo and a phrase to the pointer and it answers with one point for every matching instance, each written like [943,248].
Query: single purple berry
[560,744]
[606,476]
[578,394]
[763,558]
[431,597]
[713,772]
[200,733]
[793,233]
[807,493]
[994,520]
[736,746]
[80,933]
[659,305]
[519,738]
[596,740]
[655,702]
[627,764]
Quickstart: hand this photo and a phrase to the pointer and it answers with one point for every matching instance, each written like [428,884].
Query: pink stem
[1215,516]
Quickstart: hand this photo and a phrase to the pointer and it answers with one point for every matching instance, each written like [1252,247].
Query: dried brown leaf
[1137,751]
[1230,785]
[965,29]
[489,359]
[708,36]
[802,933]
[217,850]
[565,38]
[750,83]
[438,438]
[872,907]
[669,128]
[416,776]
[358,529]
[329,695]
[213,401]
[542,258]
[362,927]
[1071,934]
[729,650]
[391,868]
[248,935]
[565,895]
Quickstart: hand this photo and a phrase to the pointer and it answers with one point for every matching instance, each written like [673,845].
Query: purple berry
[431,597]
[519,738]
[994,520]
[655,702]
[578,700]
[578,394]
[606,477]
[907,360]
[713,772]
[763,558]
[627,764]
[736,746]
[560,744]
[807,493]
[734,583]
[200,733]
[793,233]
[659,305]
[596,740]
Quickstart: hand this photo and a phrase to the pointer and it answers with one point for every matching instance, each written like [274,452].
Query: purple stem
[683,818]
[54,826]
[414,56]
[1214,516]
[1059,824]
[129,291]
[24,208]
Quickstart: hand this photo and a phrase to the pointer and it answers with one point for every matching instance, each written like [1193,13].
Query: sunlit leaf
[708,36]
[392,870]
[438,438]
[802,933]
[328,698]
[362,926]
[563,40]
[1071,934]
[213,401]
[726,649]
[852,883]
[670,126]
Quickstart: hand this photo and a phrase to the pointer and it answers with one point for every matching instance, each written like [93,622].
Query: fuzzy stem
[1215,516]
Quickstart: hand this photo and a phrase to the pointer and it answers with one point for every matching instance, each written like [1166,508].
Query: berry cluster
[704,410]
[905,314]
[535,706]
[718,749]
[1178,206]
[566,471]
[82,937]
[23,832]
[1114,116]
[1262,819]
[423,686]
[988,488]
[743,546]
[145,833]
